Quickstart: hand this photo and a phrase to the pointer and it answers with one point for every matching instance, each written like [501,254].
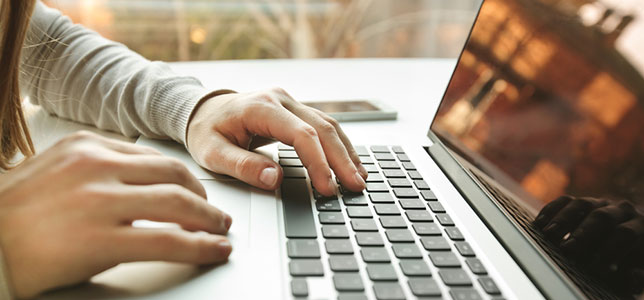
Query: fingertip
[269,177]
[363,172]
[225,248]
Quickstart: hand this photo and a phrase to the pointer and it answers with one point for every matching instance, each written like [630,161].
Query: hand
[66,213]
[607,238]
[223,129]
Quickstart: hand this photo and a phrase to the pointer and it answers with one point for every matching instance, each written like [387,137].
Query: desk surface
[414,87]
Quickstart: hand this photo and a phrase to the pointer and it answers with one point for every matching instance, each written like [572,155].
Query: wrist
[203,99]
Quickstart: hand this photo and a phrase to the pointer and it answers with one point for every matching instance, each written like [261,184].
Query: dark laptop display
[547,99]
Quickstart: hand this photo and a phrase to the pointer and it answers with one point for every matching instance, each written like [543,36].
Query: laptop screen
[548,98]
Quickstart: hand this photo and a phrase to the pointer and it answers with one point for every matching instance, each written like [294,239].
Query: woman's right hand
[66,214]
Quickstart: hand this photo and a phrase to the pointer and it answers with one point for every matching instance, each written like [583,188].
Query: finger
[626,237]
[115,145]
[168,244]
[252,168]
[353,154]
[550,210]
[569,218]
[171,203]
[273,120]
[154,169]
[335,151]
[592,231]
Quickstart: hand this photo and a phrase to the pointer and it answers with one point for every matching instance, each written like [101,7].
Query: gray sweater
[74,73]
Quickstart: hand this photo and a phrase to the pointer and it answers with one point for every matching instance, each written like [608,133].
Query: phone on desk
[355,110]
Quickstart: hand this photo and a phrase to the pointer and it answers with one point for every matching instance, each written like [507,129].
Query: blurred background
[185,30]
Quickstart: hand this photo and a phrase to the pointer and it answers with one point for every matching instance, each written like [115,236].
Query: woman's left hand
[223,129]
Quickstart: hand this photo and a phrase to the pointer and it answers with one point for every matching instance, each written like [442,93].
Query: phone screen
[343,106]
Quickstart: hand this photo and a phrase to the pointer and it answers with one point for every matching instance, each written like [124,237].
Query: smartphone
[355,110]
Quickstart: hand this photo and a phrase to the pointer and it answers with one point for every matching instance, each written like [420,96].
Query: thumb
[250,167]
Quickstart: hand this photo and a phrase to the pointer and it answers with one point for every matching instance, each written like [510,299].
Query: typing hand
[223,130]
[607,238]
[66,213]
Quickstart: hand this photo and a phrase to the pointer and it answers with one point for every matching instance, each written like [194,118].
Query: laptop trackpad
[160,280]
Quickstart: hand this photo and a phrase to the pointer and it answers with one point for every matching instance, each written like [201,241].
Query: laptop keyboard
[392,240]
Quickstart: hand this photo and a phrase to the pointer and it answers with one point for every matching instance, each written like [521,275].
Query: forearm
[74,73]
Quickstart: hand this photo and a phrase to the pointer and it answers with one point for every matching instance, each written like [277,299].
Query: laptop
[523,120]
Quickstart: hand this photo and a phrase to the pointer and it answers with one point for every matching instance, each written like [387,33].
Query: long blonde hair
[14,20]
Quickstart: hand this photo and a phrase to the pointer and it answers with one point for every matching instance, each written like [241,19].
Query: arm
[75,73]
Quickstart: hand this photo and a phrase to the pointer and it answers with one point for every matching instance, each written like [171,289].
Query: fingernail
[268,176]
[225,248]
[363,171]
[228,220]
[359,180]
[224,244]
[569,243]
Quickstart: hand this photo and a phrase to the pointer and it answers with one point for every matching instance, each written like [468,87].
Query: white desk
[412,86]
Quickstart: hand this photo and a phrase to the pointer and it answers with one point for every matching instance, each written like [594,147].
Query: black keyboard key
[297,248]
[348,282]
[426,229]
[414,267]
[331,218]
[375,177]
[419,216]
[290,162]
[381,272]
[381,198]
[444,259]
[393,222]
[364,225]
[415,175]
[399,236]
[299,287]
[388,291]
[436,207]
[405,193]
[380,149]
[294,172]
[371,168]
[285,147]
[454,233]
[306,267]
[377,187]
[424,287]
[403,157]
[388,164]
[366,160]
[428,195]
[386,209]
[361,150]
[369,239]
[352,296]
[412,204]
[476,266]
[455,277]
[353,199]
[408,166]
[435,243]
[444,219]
[464,248]
[374,255]
[359,212]
[394,173]
[421,184]
[287,154]
[298,213]
[335,231]
[343,263]
[399,182]
[338,247]
[489,286]
[465,294]
[397,149]
[384,156]
[406,250]
[328,205]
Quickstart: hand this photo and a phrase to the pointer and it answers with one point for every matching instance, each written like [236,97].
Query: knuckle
[308,132]
[327,128]
[278,90]
[243,165]
[602,214]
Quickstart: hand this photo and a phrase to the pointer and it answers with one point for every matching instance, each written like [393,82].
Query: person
[605,237]
[66,213]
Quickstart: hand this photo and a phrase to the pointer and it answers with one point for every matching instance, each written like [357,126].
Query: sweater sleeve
[74,73]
